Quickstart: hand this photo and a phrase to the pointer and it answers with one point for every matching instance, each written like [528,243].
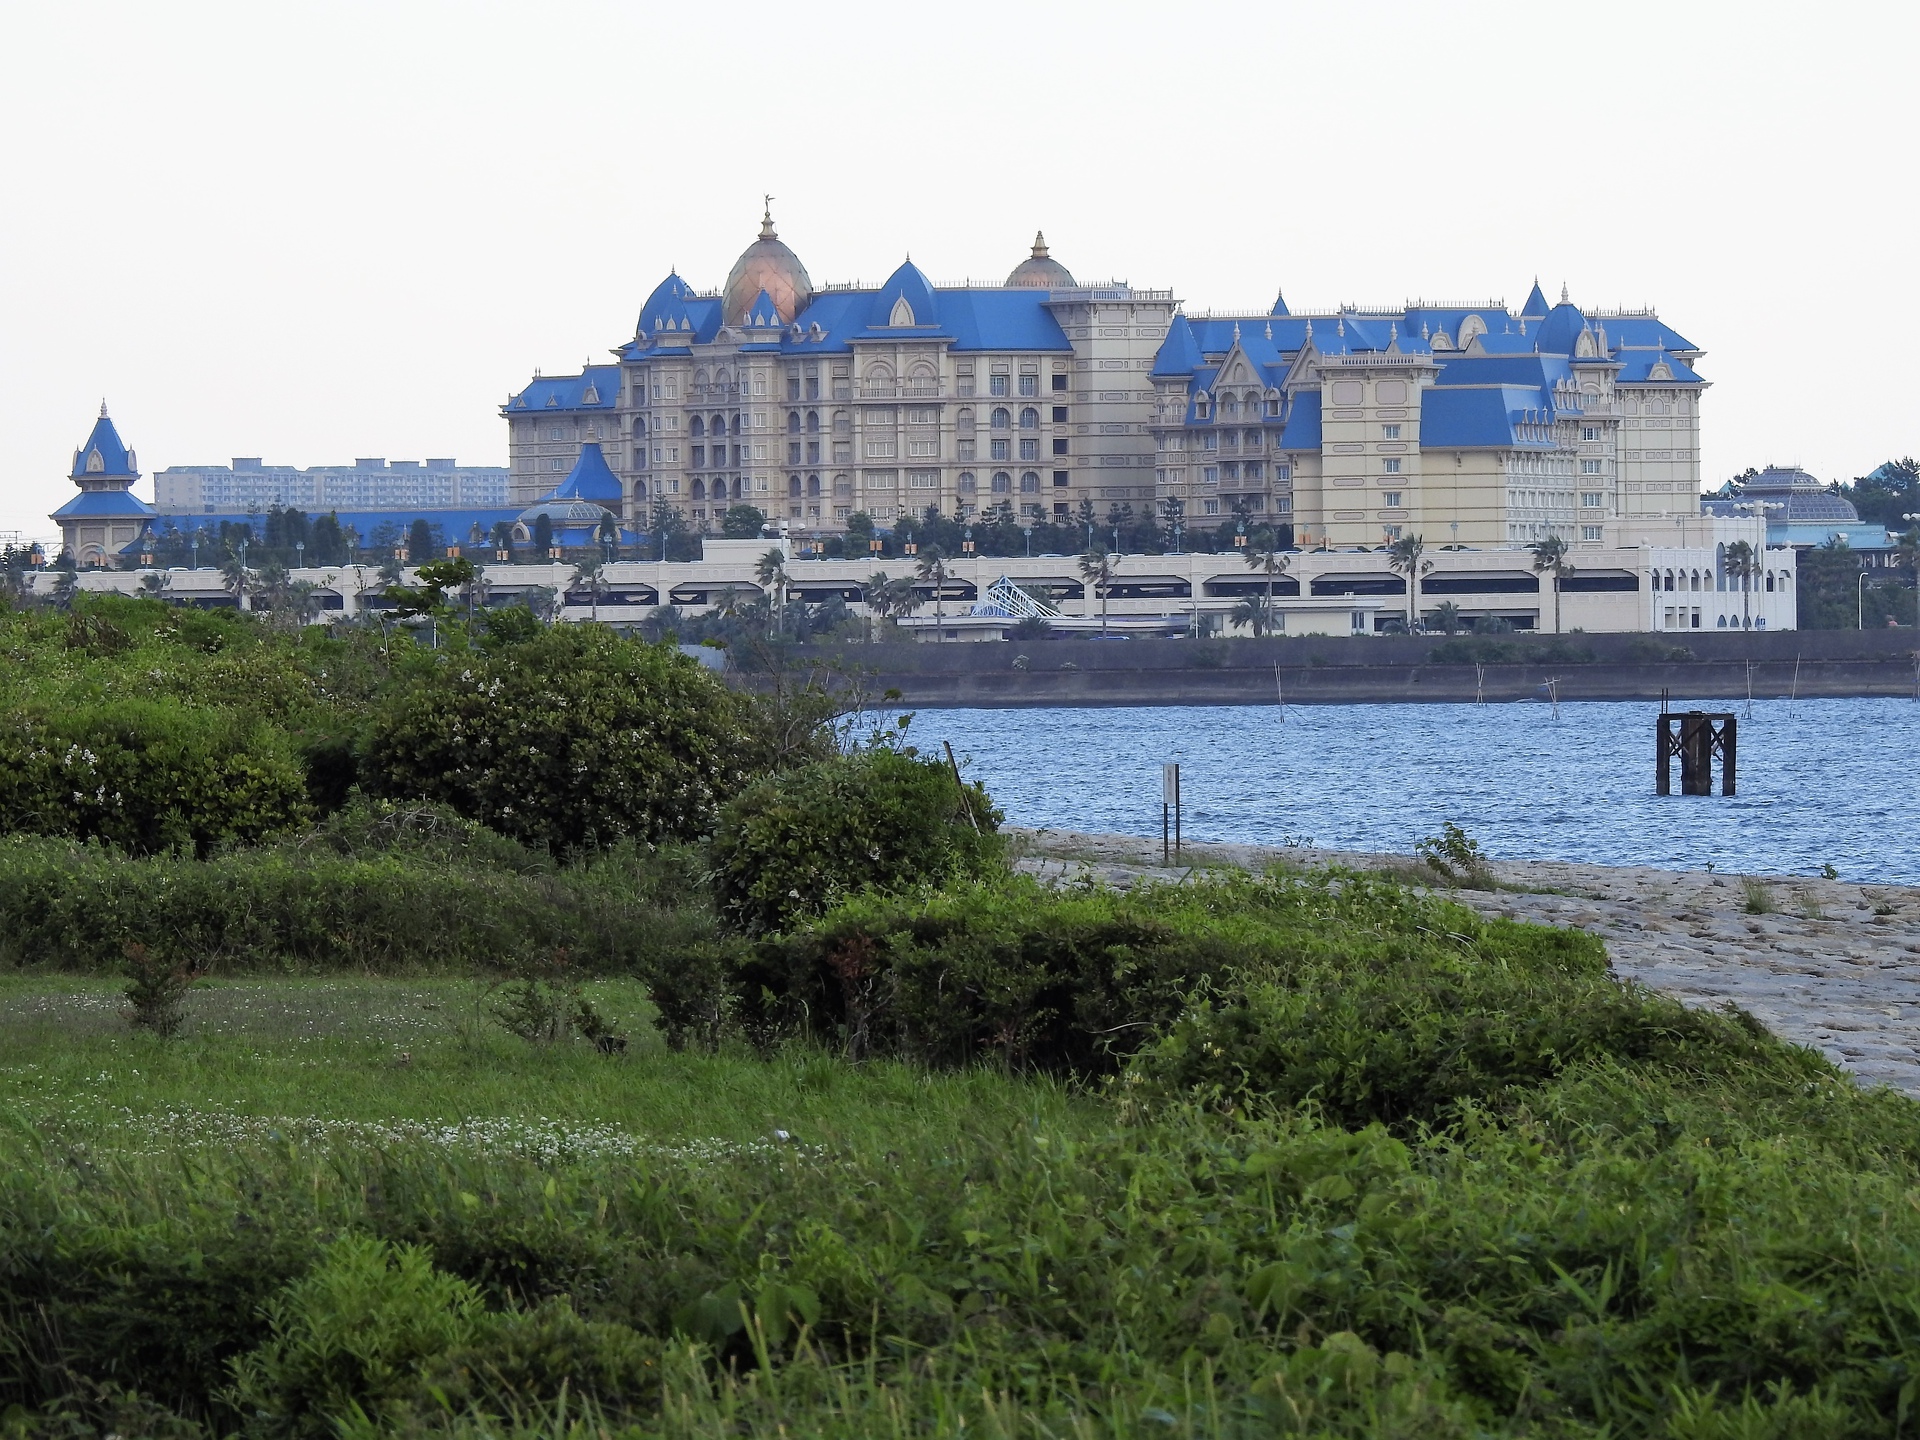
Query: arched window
[1029,482]
[1200,405]
[697,428]
[699,490]
[793,422]
[1002,482]
[640,427]
[723,376]
[813,485]
[1002,418]
[1769,579]
[639,489]
[793,487]
[813,422]
[967,483]
[964,419]
[1721,623]
[1273,403]
[718,425]
[700,377]
[1029,418]
[879,373]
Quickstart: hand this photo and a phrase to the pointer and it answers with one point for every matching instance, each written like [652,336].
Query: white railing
[1004,595]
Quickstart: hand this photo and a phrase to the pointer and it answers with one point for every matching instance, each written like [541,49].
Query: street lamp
[1860,602]
[966,541]
[299,554]
[1027,530]
[1240,534]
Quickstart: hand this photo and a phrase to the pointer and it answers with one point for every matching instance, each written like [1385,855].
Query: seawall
[1311,670]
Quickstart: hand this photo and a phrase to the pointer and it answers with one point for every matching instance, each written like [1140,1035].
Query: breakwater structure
[1315,670]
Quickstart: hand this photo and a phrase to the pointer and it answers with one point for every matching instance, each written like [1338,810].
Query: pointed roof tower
[906,299]
[1179,352]
[104,469]
[1536,306]
[103,457]
[1280,304]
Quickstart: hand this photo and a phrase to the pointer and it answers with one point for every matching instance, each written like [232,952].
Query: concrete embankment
[1311,670]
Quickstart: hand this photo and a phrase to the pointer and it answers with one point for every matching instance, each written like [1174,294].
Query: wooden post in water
[1695,737]
[1169,810]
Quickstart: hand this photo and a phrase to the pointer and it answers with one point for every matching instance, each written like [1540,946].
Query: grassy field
[354,1206]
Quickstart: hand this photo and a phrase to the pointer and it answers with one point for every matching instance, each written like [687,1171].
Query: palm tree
[236,579]
[591,574]
[1255,612]
[1743,564]
[878,592]
[1273,564]
[1447,616]
[154,584]
[771,571]
[1097,567]
[933,566]
[1550,557]
[1403,557]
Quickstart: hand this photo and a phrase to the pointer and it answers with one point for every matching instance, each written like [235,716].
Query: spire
[1236,332]
[103,408]
[1563,292]
[767,232]
[1280,304]
[1309,330]
[1269,329]
[1039,245]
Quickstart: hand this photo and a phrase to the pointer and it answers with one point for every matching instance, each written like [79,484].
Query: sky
[317,231]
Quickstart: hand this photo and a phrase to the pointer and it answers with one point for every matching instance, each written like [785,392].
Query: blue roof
[590,479]
[1536,306]
[668,302]
[1636,367]
[104,504]
[595,388]
[1000,320]
[1303,423]
[1179,353]
[454,524]
[1279,304]
[906,283]
[1560,331]
[1481,417]
[762,314]
[115,458]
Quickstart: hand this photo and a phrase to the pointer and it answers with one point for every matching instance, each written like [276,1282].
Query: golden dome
[767,265]
[1038,271]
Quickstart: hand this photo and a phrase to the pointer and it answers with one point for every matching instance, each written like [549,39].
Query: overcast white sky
[312,232]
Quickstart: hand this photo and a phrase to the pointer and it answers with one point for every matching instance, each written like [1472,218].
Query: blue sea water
[1820,782]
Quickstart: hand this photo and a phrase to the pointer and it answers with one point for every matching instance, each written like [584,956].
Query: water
[1821,782]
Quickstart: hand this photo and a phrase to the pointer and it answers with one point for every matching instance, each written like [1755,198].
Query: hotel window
[1060,445]
[1231,471]
[1283,472]
[967,483]
[997,384]
[1059,382]
[793,452]
[1001,419]
[879,450]
[1589,432]
[1253,439]
[1029,449]
[1391,499]
[1212,440]
[1059,414]
[1029,483]
[1283,504]
[1389,432]
[920,415]
[1210,507]
[923,479]
[964,384]
[1029,418]
[1392,467]
[1589,467]
[559,465]
[1000,450]
[964,449]
[793,387]
[699,455]
[1211,474]
[1590,499]
[556,433]
[1589,532]
[924,448]
[1392,532]
[1002,482]
[1255,470]
[1060,478]
[1029,384]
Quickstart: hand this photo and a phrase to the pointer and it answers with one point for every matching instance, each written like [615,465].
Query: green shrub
[520,1359]
[351,1335]
[415,890]
[148,776]
[573,740]
[790,845]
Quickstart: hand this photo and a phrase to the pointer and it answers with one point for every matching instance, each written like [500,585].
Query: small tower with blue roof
[105,519]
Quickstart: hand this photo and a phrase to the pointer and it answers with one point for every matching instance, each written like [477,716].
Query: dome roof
[767,265]
[1039,271]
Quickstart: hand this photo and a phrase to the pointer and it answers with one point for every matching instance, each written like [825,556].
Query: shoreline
[1830,964]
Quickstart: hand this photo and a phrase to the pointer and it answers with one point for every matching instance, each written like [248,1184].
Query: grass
[390,1217]
[1759,897]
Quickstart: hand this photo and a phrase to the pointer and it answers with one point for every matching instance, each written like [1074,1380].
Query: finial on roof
[103,409]
[1563,292]
[1340,325]
[1236,332]
[1309,329]
[1523,324]
[1269,329]
[1039,245]
[767,231]
[1393,331]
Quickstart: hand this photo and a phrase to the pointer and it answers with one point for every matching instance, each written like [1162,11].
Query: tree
[1550,558]
[743,522]
[154,584]
[420,545]
[236,579]
[591,576]
[771,571]
[1254,612]
[1271,563]
[1403,557]
[1447,616]
[543,535]
[1890,492]
[1743,564]
[503,539]
[1097,568]
[933,567]
[1910,556]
